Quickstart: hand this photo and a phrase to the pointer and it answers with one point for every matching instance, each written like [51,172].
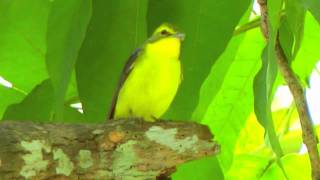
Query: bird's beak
[180,36]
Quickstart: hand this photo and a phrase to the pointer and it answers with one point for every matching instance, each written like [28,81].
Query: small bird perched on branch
[150,78]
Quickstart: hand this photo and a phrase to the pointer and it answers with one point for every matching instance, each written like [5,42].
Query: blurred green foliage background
[54,53]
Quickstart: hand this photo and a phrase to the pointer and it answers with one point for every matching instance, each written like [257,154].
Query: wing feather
[124,75]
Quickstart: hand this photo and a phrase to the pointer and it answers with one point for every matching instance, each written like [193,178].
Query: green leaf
[229,110]
[314,8]
[274,11]
[22,46]
[215,79]
[208,166]
[38,107]
[309,52]
[265,79]
[66,29]
[8,96]
[251,137]
[263,83]
[213,82]
[71,115]
[286,39]
[297,167]
[251,154]
[247,167]
[295,14]
[209,25]
[72,95]
[291,142]
[115,30]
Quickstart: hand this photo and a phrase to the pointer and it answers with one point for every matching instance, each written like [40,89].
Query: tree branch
[297,90]
[264,18]
[121,149]
[308,135]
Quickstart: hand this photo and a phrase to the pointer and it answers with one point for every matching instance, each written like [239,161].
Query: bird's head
[166,41]
[168,30]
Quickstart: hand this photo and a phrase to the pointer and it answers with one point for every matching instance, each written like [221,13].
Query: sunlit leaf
[251,137]
[291,142]
[297,167]
[284,119]
[247,167]
[215,79]
[229,110]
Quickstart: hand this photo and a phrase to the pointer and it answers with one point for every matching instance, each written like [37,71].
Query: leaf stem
[19,90]
[248,26]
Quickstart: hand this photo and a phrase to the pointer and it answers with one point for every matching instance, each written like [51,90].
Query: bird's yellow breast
[153,82]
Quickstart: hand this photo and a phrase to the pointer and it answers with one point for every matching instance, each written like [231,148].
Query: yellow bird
[150,78]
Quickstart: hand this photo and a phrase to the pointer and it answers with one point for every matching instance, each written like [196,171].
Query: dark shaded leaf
[286,39]
[314,8]
[115,30]
[67,26]
[38,107]
[295,15]
[309,52]
[264,80]
[8,96]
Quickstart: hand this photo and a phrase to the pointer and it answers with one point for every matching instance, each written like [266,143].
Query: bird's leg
[154,118]
[166,174]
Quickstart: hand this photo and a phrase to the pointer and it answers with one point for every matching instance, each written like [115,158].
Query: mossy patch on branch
[33,161]
[167,137]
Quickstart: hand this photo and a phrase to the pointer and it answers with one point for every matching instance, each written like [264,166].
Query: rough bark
[120,149]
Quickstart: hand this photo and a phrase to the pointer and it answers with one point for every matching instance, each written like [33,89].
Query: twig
[264,18]
[308,135]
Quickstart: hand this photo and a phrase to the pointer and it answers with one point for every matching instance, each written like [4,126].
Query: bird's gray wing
[124,75]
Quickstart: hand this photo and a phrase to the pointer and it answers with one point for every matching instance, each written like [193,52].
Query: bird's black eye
[164,32]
